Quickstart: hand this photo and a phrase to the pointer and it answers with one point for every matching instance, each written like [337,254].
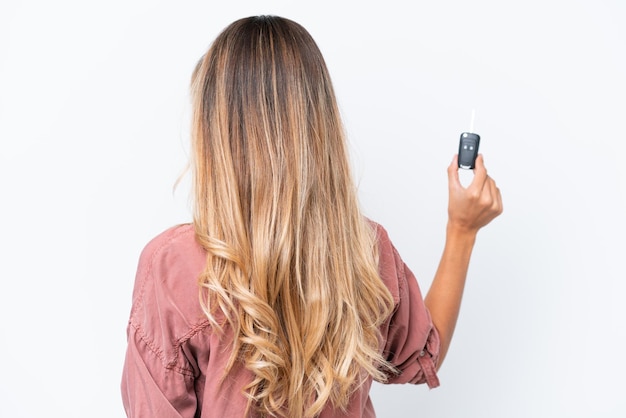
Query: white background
[94,132]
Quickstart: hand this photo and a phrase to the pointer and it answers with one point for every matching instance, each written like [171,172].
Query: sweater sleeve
[411,340]
[150,388]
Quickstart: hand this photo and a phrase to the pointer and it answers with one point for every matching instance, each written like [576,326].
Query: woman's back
[175,356]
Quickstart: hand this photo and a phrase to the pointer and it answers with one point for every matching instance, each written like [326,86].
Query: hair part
[291,261]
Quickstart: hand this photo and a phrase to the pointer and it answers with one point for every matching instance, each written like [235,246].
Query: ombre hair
[292,263]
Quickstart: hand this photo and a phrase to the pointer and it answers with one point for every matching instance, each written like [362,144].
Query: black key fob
[468,150]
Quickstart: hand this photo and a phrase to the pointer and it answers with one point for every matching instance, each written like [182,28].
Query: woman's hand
[471,208]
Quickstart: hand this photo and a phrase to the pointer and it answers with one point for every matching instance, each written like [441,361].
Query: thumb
[453,173]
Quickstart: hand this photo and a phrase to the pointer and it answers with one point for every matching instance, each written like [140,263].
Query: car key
[468,147]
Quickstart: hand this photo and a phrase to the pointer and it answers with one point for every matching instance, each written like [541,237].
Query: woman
[281,299]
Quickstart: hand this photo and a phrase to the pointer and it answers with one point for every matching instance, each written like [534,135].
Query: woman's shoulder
[391,267]
[169,248]
[169,267]
[172,258]
[172,238]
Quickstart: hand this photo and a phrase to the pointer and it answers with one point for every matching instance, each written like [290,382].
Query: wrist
[460,232]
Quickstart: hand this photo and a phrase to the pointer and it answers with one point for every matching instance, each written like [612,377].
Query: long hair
[291,261]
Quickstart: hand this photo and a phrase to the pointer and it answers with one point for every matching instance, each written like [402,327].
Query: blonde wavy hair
[291,261]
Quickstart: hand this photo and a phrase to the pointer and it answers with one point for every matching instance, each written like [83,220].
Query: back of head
[263,100]
[291,261]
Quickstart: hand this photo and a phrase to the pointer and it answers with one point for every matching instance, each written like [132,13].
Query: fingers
[498,201]
[480,172]
[494,191]
[480,176]
[492,195]
[495,198]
